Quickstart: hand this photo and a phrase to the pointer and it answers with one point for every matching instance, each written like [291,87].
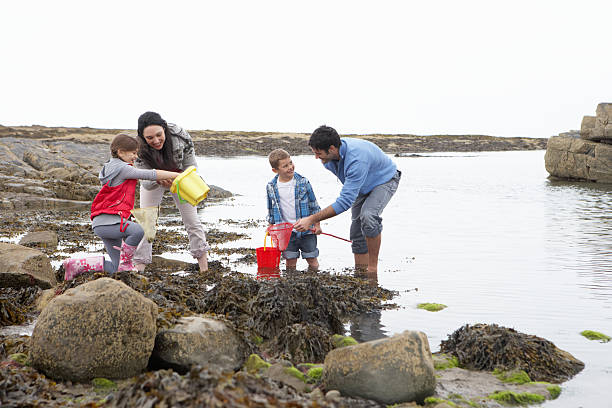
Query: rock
[217,192]
[286,375]
[22,267]
[332,395]
[102,328]
[198,340]
[578,159]
[40,239]
[391,370]
[587,127]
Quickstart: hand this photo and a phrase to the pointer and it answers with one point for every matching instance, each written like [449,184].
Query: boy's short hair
[276,156]
[124,142]
[323,138]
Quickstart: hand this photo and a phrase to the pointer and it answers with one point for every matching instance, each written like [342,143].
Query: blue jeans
[307,245]
[366,211]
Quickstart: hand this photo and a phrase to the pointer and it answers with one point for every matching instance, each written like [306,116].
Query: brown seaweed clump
[16,305]
[487,347]
[203,388]
[302,343]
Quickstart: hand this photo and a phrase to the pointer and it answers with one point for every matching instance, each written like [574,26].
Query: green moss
[434,400]
[515,376]
[255,364]
[593,335]
[315,373]
[515,398]
[295,372]
[554,391]
[446,363]
[103,385]
[20,358]
[342,341]
[431,307]
[258,340]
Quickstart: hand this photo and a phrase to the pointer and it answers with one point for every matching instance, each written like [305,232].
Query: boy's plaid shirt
[305,200]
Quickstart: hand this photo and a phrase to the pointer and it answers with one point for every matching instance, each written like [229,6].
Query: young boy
[290,197]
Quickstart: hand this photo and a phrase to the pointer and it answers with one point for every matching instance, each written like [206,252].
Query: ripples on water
[486,234]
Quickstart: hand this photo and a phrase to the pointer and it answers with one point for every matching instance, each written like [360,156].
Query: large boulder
[102,328]
[392,370]
[579,159]
[22,267]
[198,340]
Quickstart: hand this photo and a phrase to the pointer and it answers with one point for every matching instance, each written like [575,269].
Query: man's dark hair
[323,138]
[145,153]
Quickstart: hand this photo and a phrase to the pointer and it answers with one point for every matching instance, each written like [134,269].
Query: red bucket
[280,234]
[267,257]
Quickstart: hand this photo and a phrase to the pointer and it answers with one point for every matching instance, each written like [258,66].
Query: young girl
[111,208]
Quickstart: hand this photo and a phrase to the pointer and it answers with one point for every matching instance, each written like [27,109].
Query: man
[369,179]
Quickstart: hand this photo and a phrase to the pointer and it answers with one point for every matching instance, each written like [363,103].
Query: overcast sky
[511,68]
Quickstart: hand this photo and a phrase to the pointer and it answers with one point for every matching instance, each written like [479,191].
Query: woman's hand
[164,183]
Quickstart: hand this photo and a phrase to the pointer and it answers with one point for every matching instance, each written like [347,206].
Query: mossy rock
[515,398]
[593,335]
[256,364]
[343,341]
[20,358]
[429,401]
[514,376]
[431,307]
[444,362]
[103,385]
[295,373]
[554,391]
[315,373]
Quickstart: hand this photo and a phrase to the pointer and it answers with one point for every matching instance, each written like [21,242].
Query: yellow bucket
[190,187]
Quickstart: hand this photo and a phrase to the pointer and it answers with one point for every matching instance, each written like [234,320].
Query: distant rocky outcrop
[584,155]
[51,168]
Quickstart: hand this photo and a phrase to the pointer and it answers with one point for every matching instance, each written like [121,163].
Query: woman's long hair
[163,160]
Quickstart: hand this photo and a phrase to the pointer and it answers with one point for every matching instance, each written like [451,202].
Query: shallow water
[486,234]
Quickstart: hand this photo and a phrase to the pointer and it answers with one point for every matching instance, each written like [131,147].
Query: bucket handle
[266,236]
[178,193]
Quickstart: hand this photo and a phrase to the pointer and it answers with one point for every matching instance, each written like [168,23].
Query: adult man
[369,179]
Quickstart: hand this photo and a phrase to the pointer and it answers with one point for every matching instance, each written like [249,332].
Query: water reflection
[367,326]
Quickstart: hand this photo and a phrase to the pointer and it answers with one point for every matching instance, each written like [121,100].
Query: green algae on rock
[431,307]
[343,341]
[593,335]
[514,376]
[516,398]
[255,364]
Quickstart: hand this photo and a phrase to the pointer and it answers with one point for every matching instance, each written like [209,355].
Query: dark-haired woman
[169,147]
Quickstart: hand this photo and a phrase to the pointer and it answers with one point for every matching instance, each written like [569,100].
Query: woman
[166,146]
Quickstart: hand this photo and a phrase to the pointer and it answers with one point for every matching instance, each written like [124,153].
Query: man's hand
[165,183]
[303,224]
[317,228]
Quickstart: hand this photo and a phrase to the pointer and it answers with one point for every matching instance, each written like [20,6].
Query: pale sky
[511,68]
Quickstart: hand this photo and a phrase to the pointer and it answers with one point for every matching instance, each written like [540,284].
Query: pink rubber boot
[125,258]
[76,266]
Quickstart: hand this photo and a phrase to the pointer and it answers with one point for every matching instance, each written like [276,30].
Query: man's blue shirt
[362,166]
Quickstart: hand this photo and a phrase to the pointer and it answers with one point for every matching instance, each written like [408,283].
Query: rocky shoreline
[285,335]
